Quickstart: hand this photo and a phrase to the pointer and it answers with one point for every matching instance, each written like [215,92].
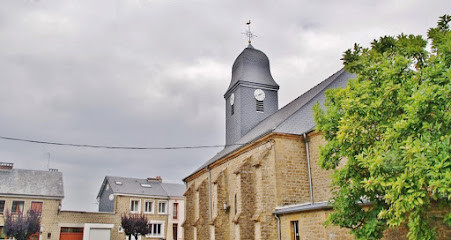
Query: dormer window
[259,106]
[118,183]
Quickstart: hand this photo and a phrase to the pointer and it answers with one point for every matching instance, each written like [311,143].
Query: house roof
[294,118]
[145,187]
[31,183]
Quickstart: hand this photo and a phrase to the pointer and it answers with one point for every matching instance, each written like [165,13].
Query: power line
[113,147]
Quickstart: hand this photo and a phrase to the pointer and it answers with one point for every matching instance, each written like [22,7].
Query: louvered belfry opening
[259,106]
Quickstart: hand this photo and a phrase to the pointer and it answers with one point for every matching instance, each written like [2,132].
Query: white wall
[180,218]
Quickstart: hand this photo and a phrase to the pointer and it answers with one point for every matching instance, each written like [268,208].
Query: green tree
[388,135]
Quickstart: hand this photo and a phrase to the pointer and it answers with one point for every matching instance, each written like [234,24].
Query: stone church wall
[291,171]
[321,178]
[245,189]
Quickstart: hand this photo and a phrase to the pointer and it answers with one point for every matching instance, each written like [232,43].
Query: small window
[37,207]
[232,110]
[118,183]
[2,233]
[71,230]
[146,185]
[175,230]
[17,207]
[148,206]
[135,206]
[175,210]
[295,230]
[260,106]
[162,207]
[2,207]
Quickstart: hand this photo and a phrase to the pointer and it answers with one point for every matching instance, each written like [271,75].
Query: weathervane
[248,33]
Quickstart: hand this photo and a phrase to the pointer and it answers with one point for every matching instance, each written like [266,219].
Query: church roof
[294,118]
[252,66]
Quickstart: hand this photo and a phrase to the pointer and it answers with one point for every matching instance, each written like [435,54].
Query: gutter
[309,169]
[31,196]
[278,225]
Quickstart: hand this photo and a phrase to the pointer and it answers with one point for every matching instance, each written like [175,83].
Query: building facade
[42,191]
[22,190]
[266,183]
[162,204]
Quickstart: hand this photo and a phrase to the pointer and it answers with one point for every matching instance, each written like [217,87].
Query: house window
[295,230]
[232,109]
[2,207]
[2,234]
[162,205]
[175,231]
[174,210]
[148,207]
[17,207]
[37,207]
[260,106]
[135,206]
[156,229]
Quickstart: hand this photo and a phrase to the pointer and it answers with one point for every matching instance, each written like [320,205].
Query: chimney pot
[155,179]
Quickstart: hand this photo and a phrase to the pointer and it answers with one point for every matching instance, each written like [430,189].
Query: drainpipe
[309,169]
[278,225]
[209,193]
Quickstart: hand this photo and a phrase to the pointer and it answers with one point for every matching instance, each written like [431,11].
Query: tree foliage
[135,225]
[388,135]
[21,227]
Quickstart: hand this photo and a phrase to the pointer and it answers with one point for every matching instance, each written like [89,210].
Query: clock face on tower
[259,95]
[232,99]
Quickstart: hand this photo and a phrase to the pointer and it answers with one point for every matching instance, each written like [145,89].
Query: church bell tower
[252,94]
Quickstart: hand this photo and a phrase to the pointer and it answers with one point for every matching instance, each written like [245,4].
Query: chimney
[7,166]
[155,179]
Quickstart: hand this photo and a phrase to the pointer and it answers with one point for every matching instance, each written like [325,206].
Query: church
[266,183]
[268,169]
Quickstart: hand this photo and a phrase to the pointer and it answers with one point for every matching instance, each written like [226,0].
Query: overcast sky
[152,73]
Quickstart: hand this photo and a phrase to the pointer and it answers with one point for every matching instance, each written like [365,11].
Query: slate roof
[33,183]
[133,186]
[252,65]
[294,118]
